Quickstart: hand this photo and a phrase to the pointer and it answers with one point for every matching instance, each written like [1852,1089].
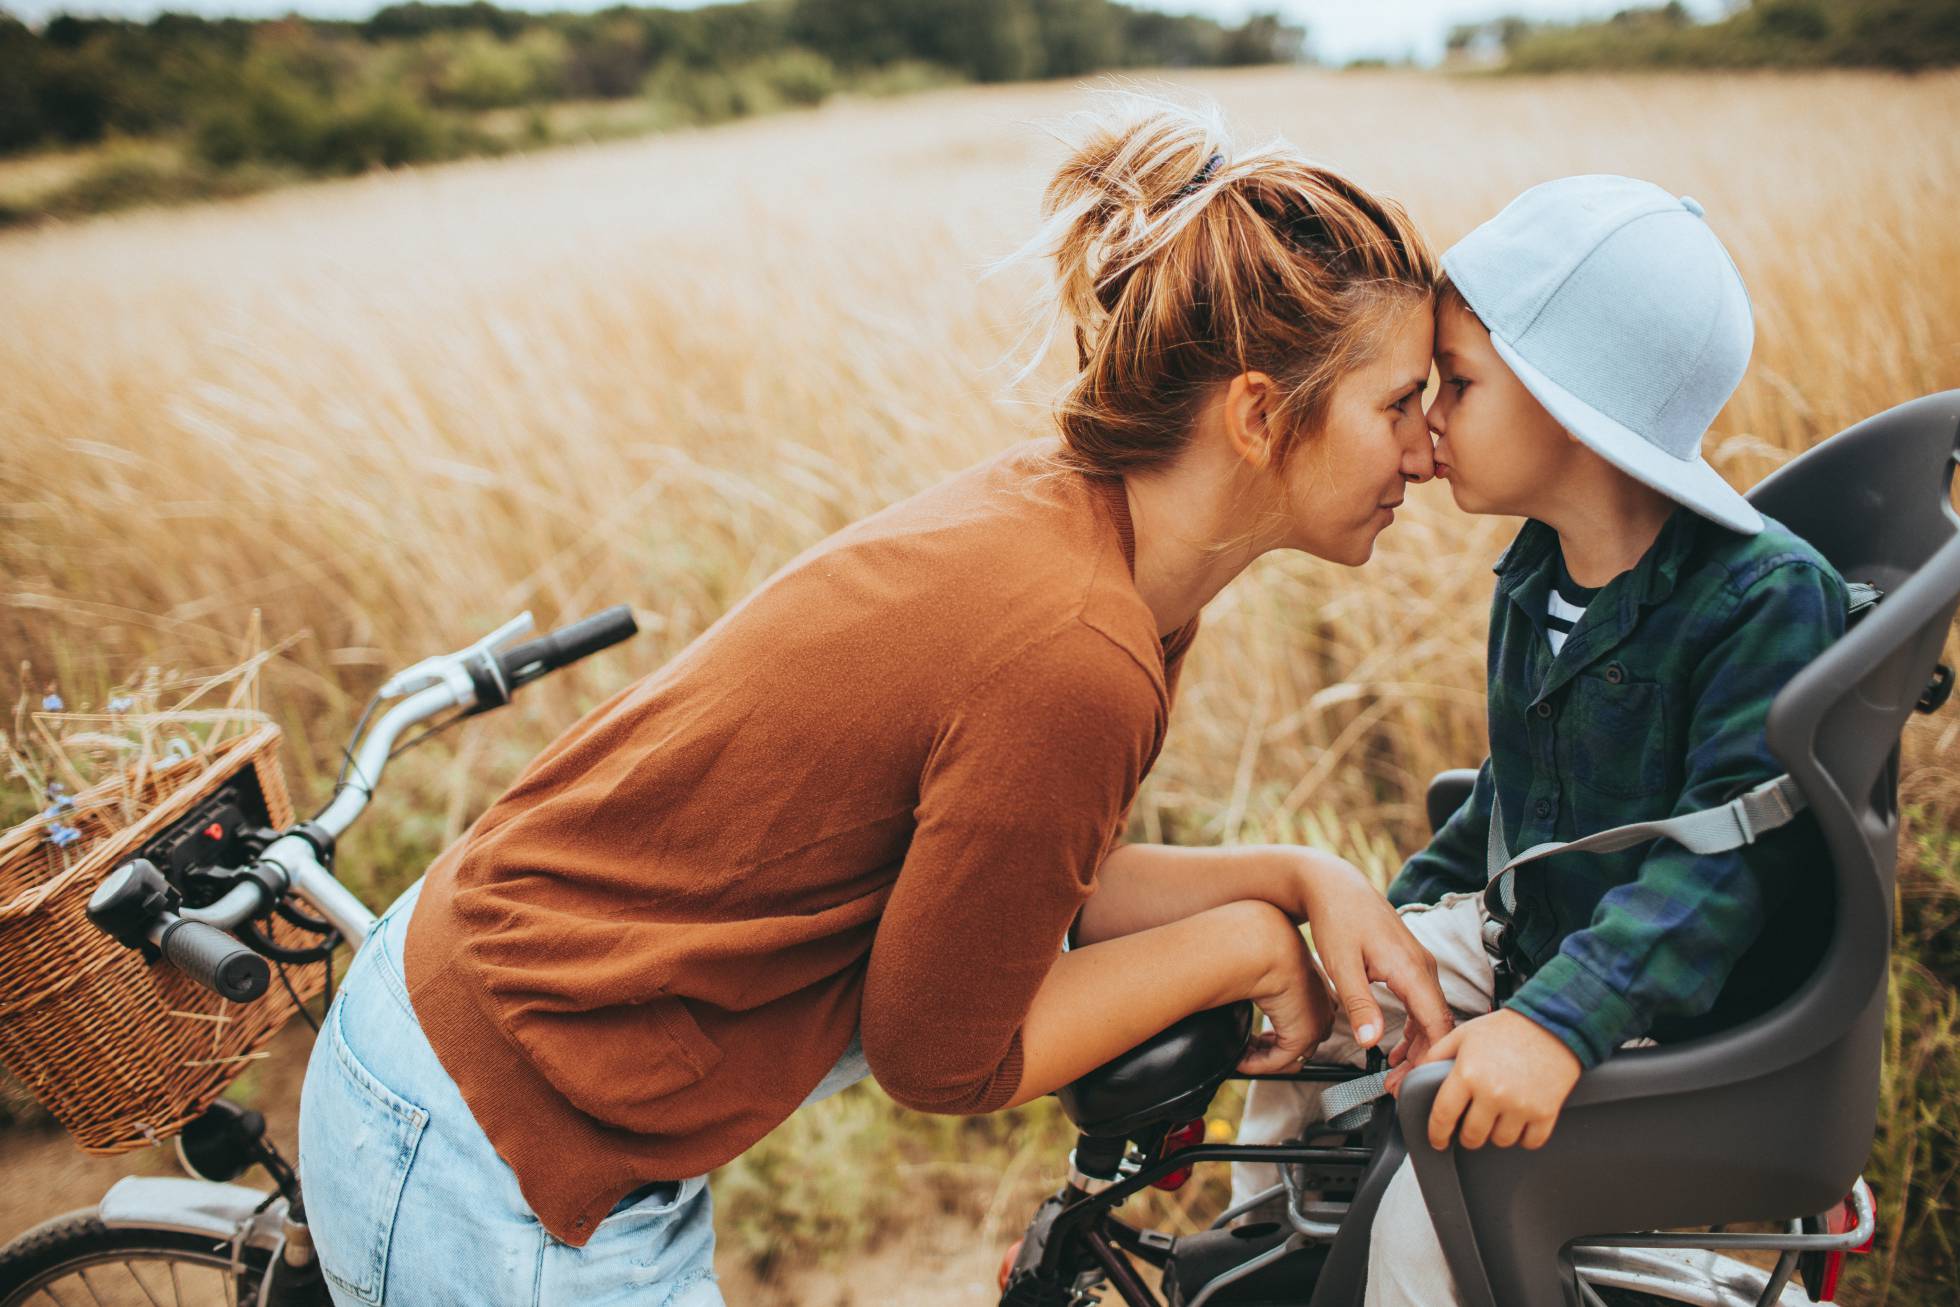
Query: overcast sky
[1337,29]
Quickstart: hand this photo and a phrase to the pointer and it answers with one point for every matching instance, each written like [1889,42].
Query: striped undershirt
[1565,604]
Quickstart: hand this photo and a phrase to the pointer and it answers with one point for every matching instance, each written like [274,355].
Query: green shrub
[121,181]
[279,124]
[905,77]
[693,97]
[389,128]
[797,76]
[478,71]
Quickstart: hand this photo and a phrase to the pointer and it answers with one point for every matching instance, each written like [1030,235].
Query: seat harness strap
[1743,820]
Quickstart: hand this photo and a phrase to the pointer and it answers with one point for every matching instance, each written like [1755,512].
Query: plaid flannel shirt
[1655,706]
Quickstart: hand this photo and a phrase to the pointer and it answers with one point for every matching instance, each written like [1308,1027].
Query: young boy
[1644,618]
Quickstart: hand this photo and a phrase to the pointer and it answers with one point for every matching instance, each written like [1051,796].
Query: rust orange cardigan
[876,791]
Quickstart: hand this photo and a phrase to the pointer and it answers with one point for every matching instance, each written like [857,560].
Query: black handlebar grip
[215,960]
[526,662]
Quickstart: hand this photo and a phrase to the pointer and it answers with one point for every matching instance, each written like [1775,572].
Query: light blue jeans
[409,1204]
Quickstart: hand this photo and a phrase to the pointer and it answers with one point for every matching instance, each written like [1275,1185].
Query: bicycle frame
[1685,1267]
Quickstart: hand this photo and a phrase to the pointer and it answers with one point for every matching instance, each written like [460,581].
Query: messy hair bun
[1181,262]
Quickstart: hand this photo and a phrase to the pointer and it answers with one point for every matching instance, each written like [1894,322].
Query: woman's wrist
[1268,946]
[1319,876]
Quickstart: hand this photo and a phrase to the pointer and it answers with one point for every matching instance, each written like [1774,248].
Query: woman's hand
[1361,939]
[1290,990]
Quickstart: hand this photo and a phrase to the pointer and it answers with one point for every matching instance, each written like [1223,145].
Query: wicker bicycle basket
[122,1051]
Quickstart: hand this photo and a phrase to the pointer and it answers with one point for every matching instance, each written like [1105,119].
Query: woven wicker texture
[124,1052]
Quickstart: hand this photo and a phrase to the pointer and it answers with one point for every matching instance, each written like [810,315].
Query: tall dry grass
[392,411]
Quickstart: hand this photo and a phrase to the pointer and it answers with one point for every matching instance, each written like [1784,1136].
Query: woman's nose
[1419,456]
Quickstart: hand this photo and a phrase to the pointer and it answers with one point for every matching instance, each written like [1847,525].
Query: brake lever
[434,671]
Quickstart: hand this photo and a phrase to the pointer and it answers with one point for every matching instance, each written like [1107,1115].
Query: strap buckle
[1496,937]
[1763,809]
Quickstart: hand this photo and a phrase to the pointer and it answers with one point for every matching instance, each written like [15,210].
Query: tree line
[1902,35]
[403,85]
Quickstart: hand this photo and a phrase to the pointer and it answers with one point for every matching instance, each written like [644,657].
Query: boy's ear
[1248,418]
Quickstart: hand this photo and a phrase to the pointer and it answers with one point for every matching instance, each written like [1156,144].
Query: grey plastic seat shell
[1774,1118]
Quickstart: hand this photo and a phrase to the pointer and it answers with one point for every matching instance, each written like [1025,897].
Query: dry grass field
[390,412]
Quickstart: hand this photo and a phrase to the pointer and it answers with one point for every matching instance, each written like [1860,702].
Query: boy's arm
[1454,860]
[1665,942]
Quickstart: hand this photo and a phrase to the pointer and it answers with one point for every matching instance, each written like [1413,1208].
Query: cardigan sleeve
[1018,805]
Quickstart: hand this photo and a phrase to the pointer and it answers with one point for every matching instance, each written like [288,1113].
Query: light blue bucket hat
[1620,311]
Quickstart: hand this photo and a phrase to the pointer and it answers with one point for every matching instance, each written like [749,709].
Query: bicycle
[237,1245]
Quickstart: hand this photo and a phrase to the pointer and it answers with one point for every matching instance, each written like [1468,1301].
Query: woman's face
[1345,482]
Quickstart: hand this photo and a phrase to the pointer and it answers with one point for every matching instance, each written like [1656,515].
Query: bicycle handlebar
[214,960]
[524,663]
[194,940]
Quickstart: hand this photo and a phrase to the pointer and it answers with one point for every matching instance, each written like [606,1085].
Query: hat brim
[1686,481]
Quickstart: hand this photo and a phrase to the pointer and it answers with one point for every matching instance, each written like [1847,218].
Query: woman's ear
[1248,418]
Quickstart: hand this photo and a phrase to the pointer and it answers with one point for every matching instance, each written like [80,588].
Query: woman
[869,820]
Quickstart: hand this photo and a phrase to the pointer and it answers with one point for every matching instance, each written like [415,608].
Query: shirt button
[1543,808]
[1615,673]
[1544,708]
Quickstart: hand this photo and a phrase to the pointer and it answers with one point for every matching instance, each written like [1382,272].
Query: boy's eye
[1458,382]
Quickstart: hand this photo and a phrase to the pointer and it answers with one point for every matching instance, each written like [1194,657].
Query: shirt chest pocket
[1617,741]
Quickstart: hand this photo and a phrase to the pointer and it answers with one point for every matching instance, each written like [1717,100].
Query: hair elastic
[1204,175]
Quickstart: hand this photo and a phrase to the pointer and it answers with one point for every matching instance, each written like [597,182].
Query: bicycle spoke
[48,1289]
[176,1287]
[131,1268]
[81,1274]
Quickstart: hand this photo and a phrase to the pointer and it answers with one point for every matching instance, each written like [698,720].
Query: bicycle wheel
[76,1258]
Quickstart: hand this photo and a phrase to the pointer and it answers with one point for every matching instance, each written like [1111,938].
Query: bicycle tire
[67,1247]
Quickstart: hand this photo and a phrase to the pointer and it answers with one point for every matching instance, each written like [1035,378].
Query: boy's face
[1496,445]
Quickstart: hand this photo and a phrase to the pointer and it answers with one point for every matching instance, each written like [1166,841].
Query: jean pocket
[659,1202]
[358,1139]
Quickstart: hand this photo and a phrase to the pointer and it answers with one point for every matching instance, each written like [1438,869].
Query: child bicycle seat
[1773,1118]
[1770,1119]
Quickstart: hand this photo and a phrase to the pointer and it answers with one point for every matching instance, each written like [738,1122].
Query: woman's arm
[1145,885]
[1105,998]
[1359,936]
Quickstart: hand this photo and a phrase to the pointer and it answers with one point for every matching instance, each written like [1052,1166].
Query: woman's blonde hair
[1182,262]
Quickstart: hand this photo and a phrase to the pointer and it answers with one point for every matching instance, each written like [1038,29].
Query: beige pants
[1405,1260]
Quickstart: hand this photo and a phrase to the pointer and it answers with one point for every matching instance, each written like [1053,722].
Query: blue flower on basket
[62,836]
[52,702]
[121,703]
[61,806]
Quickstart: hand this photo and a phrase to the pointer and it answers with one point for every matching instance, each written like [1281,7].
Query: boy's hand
[1510,1079]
